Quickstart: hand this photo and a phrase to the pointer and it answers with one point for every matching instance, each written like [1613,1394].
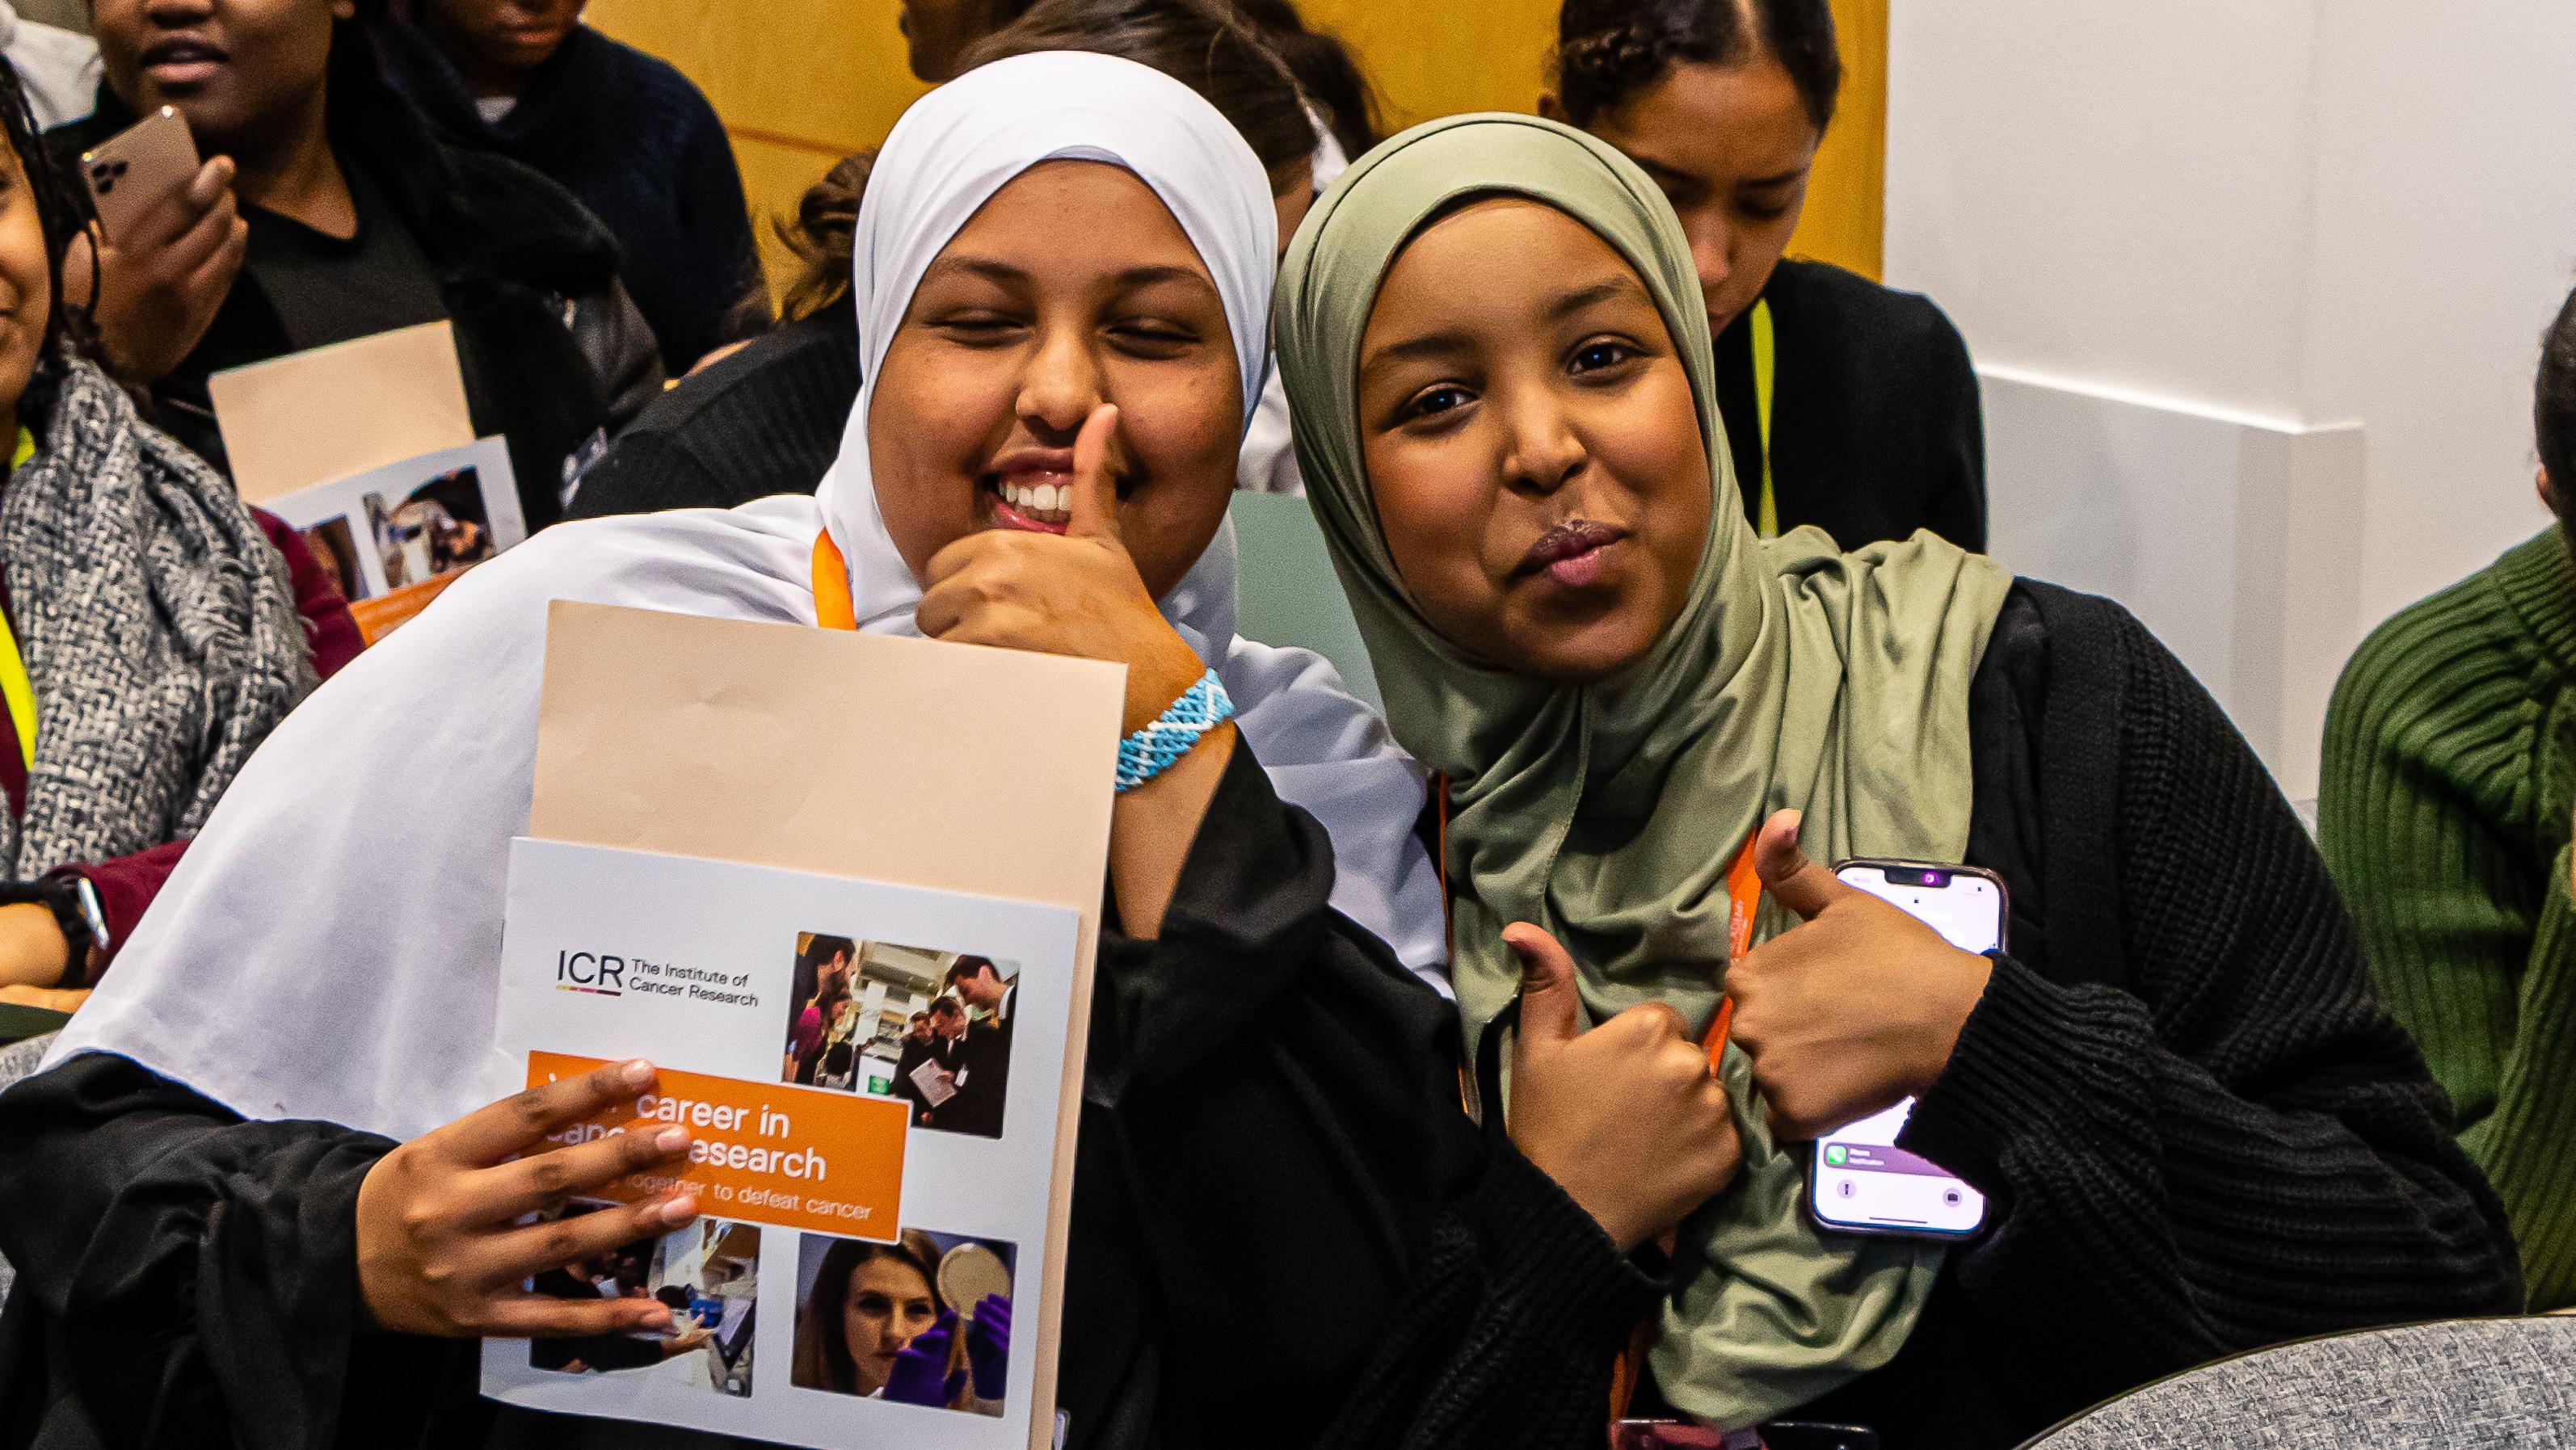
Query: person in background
[1849,406]
[623,131]
[821,984]
[1325,70]
[948,1030]
[57,68]
[920,1044]
[153,629]
[937,34]
[328,210]
[983,1061]
[2444,809]
[767,419]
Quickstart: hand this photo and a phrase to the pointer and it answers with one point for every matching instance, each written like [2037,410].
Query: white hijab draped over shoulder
[328,947]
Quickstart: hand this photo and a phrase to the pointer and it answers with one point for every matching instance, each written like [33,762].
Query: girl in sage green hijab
[1495,353]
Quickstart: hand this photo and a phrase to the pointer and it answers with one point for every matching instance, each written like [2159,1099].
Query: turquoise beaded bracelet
[1151,751]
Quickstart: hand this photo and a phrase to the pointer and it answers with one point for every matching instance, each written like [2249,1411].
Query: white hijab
[326,949]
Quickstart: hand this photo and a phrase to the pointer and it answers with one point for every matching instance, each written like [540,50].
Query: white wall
[2445,240]
[2290,254]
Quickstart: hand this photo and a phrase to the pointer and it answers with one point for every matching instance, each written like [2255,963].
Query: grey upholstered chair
[2478,1384]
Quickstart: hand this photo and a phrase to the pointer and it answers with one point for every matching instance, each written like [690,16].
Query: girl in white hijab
[267,1133]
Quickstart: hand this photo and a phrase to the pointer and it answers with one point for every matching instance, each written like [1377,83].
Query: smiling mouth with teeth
[1041,507]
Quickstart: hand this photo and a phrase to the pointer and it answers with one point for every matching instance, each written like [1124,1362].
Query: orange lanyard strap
[832,606]
[1744,897]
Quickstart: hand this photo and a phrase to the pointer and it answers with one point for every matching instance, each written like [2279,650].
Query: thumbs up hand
[1626,1117]
[1854,1010]
[1074,593]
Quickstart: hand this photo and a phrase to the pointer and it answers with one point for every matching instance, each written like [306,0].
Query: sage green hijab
[1796,676]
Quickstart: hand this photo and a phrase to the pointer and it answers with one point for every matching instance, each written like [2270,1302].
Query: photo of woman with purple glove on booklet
[878,1320]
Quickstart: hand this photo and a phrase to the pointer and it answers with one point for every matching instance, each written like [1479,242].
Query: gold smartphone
[130,172]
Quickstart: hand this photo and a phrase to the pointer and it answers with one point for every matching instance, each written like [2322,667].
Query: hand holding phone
[1852,1012]
[169,244]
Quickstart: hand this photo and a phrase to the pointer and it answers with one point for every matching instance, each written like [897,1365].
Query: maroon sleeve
[125,887]
[329,629]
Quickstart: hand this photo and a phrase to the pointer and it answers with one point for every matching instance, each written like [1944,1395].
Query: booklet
[405,524]
[835,1223]
[755,851]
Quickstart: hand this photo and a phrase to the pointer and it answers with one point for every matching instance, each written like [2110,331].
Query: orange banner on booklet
[763,1152]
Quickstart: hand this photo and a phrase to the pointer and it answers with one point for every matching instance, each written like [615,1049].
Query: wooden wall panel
[801,83]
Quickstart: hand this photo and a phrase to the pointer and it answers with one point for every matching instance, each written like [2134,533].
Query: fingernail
[671,1140]
[679,1210]
[636,1073]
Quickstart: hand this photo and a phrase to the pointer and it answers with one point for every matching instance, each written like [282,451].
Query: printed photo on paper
[707,1275]
[409,522]
[925,1320]
[931,1027]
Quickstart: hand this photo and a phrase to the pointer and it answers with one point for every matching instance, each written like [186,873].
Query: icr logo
[590,972]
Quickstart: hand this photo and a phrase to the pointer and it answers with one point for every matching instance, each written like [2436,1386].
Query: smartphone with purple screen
[1863,1183]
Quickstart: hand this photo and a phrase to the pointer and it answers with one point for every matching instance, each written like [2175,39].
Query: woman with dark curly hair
[153,629]
[1849,406]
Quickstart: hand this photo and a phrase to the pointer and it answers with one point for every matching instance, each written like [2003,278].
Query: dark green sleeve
[2527,1144]
[2447,843]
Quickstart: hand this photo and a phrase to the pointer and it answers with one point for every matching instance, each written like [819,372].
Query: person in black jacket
[330,210]
[2195,1131]
[622,130]
[1848,405]
[984,1058]
[921,1043]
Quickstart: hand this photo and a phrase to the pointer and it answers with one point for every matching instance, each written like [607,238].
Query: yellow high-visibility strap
[14,684]
[1766,366]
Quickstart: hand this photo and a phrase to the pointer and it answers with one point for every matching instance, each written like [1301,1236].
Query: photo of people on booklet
[440,526]
[930,1027]
[707,1274]
[925,1320]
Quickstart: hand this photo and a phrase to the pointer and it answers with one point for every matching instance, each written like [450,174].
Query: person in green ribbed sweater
[2445,815]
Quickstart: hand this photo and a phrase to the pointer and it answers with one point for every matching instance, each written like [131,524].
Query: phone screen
[1862,1179]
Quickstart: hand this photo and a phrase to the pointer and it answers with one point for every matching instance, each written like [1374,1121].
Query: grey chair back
[2484,1383]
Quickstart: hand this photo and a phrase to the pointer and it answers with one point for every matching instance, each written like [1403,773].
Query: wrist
[1154,682]
[1950,1005]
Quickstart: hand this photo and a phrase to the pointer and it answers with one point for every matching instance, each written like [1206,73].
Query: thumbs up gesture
[1854,1010]
[1626,1117]
[1075,593]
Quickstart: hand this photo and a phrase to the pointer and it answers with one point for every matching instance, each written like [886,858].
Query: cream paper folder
[330,413]
[951,767]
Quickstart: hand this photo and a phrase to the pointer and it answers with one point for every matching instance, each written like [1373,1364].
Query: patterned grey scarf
[158,626]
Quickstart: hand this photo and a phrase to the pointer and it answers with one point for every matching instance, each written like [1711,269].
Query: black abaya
[1285,1230]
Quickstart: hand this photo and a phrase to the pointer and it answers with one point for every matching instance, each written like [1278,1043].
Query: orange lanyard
[1743,882]
[832,607]
[1743,898]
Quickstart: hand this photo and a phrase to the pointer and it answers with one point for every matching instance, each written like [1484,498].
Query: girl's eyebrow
[1428,344]
[996,270]
[1567,303]
[1556,309]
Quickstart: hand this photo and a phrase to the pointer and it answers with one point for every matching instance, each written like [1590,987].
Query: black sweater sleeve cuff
[2009,1075]
[1543,1251]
